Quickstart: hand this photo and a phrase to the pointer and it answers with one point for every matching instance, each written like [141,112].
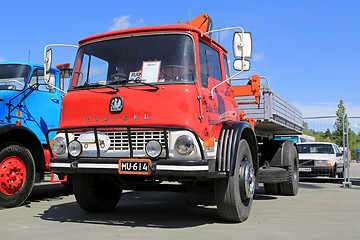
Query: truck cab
[158,79]
[29,107]
[24,96]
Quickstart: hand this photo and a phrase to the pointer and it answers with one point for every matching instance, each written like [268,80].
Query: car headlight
[59,146]
[321,163]
[153,148]
[184,145]
[75,148]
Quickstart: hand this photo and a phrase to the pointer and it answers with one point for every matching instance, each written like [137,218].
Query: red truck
[154,104]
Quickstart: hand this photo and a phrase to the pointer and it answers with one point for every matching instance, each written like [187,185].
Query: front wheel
[234,194]
[96,192]
[17,175]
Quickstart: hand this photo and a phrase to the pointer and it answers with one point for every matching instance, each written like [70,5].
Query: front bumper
[314,171]
[188,168]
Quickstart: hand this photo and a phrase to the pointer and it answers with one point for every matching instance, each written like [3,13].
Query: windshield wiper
[88,85]
[146,84]
[120,81]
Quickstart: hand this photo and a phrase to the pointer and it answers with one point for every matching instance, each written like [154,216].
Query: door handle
[55,99]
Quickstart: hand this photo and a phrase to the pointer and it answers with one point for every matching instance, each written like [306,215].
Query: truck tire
[291,186]
[17,175]
[234,194]
[95,192]
[272,188]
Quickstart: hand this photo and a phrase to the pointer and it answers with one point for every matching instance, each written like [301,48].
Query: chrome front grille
[120,141]
[307,162]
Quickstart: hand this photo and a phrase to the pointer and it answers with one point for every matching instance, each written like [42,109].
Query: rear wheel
[96,192]
[17,175]
[291,186]
[234,194]
[272,188]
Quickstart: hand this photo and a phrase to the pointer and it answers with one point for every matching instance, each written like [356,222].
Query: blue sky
[309,49]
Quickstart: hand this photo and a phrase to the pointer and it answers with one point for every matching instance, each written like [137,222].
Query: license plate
[304,169]
[139,166]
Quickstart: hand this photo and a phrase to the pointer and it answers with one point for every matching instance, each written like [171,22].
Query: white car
[320,159]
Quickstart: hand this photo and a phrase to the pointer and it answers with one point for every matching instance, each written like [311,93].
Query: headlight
[321,163]
[59,146]
[75,148]
[184,145]
[153,149]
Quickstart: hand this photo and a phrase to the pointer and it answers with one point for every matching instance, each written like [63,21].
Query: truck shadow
[47,192]
[153,209]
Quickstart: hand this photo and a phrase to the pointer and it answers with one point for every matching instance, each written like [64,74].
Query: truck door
[222,106]
[42,108]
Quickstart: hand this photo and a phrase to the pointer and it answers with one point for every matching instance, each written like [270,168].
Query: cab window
[226,68]
[38,78]
[209,63]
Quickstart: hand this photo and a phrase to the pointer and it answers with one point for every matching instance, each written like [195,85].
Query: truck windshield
[13,76]
[150,59]
[315,148]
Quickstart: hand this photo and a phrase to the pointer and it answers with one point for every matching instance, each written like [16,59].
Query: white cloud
[123,23]
[2,59]
[258,56]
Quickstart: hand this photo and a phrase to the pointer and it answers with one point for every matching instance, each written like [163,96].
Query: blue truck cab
[29,106]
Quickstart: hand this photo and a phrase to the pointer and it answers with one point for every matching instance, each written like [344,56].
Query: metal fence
[323,128]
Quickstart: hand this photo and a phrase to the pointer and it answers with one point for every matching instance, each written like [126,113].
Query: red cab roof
[144,30]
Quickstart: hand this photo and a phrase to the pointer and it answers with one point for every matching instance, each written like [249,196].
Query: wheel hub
[247,181]
[12,175]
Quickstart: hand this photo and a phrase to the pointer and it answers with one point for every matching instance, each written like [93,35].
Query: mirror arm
[56,88]
[212,89]
[224,29]
[241,45]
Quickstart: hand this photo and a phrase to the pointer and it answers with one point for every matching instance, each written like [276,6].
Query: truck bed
[273,115]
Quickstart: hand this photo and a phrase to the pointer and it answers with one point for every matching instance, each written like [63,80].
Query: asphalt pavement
[323,209]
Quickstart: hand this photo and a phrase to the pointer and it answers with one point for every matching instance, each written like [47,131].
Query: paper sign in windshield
[150,71]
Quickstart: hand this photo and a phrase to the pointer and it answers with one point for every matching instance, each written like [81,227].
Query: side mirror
[48,60]
[339,154]
[50,81]
[241,65]
[242,45]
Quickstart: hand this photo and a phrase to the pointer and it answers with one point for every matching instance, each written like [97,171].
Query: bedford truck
[154,104]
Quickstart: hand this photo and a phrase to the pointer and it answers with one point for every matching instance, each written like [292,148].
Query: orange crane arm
[202,22]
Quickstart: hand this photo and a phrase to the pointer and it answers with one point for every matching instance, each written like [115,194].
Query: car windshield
[150,59]
[13,76]
[315,148]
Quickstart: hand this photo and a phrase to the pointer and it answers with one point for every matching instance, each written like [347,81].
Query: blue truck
[29,106]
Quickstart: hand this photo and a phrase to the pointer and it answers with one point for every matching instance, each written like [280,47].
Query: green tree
[352,143]
[327,134]
[338,125]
